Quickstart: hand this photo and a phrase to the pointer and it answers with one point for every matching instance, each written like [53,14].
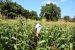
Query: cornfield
[18,35]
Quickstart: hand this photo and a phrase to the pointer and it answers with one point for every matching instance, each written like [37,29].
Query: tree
[7,8]
[66,18]
[26,13]
[50,12]
[11,9]
[7,1]
[33,15]
[73,19]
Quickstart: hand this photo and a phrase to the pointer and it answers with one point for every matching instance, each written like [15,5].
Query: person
[36,31]
[37,34]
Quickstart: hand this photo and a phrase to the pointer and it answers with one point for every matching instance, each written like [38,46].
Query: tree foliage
[33,15]
[50,12]
[12,9]
[73,19]
[66,18]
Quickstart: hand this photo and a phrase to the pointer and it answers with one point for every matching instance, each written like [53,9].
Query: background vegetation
[50,12]
[17,25]
[12,10]
[18,35]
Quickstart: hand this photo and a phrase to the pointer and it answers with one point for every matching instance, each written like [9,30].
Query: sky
[67,6]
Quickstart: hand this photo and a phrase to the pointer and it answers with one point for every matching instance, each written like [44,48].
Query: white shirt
[38,28]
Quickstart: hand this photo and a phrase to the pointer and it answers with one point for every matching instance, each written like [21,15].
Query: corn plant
[19,35]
